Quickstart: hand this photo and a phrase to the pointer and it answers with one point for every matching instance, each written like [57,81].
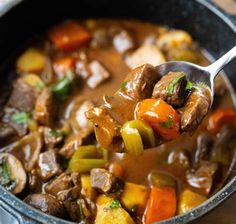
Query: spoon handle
[214,68]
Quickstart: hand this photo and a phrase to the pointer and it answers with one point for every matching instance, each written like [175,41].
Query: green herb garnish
[124,85]
[115,204]
[20,117]
[56,133]
[40,85]
[168,123]
[5,174]
[171,86]
[62,88]
[5,178]
[189,85]
[81,210]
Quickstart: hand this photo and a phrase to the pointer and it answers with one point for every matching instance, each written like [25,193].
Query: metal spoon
[196,73]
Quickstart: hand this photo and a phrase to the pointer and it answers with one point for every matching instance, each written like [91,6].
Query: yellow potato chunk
[31,60]
[189,200]
[174,39]
[107,215]
[34,81]
[86,186]
[134,197]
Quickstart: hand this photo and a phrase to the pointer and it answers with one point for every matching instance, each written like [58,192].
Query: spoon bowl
[196,73]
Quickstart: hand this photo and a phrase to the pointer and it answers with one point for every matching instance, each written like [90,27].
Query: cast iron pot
[21,20]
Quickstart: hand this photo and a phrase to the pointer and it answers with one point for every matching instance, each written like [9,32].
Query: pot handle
[8,215]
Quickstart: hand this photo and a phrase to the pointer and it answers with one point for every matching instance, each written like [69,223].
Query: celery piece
[85,165]
[134,134]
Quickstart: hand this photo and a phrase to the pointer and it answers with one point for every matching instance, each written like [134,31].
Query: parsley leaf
[171,86]
[39,85]
[62,88]
[124,85]
[20,117]
[115,204]
[168,123]
[189,85]
[56,133]
[5,178]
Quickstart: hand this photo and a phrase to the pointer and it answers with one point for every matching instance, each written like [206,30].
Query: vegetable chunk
[161,205]
[32,60]
[189,200]
[69,36]
[107,214]
[134,197]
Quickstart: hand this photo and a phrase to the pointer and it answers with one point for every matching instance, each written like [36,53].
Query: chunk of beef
[46,203]
[71,145]
[69,194]
[103,180]
[20,129]
[98,74]
[51,137]
[203,177]
[58,184]
[196,108]
[139,83]
[34,181]
[23,96]
[171,88]
[44,107]
[48,166]
[106,128]
[145,54]
[123,42]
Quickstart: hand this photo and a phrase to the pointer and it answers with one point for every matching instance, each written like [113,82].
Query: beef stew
[59,166]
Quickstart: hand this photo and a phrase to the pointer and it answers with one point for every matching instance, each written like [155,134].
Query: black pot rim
[11,203]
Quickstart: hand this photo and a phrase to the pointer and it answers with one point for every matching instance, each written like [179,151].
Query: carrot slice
[220,117]
[63,65]
[161,204]
[161,116]
[69,36]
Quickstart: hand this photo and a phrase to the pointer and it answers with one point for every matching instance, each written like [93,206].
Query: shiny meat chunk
[139,83]
[203,177]
[171,88]
[106,128]
[102,180]
[196,108]
[123,42]
[46,203]
[58,184]
[71,145]
[145,54]
[23,96]
[82,69]
[98,74]
[20,128]
[44,108]
[48,166]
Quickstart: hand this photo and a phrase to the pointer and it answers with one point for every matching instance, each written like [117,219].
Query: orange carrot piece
[161,116]
[161,205]
[62,65]
[69,36]
[220,117]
